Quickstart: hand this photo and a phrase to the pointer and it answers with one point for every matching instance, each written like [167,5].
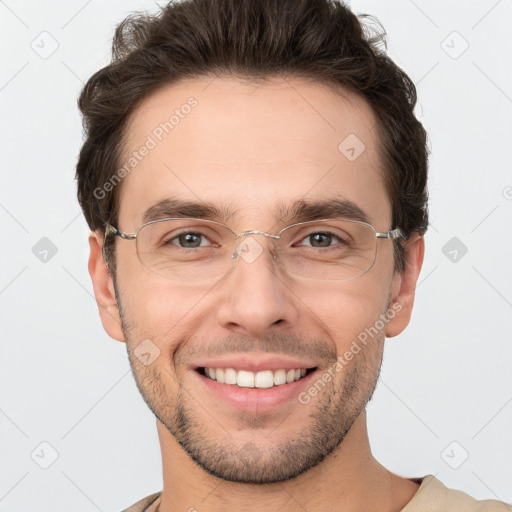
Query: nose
[255,295]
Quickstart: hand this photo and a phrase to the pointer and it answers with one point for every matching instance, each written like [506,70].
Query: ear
[404,286]
[104,288]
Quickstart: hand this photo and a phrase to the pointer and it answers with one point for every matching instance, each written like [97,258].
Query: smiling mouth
[262,380]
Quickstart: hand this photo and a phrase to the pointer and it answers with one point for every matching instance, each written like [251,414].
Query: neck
[349,479]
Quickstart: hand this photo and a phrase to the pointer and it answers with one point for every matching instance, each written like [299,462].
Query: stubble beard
[332,413]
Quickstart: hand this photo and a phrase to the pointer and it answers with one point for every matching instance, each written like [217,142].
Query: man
[255,181]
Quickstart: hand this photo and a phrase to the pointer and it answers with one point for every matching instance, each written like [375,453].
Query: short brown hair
[256,40]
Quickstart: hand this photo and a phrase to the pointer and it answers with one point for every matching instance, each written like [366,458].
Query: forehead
[251,148]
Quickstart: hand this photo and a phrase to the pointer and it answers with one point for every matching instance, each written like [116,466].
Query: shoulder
[434,496]
[144,503]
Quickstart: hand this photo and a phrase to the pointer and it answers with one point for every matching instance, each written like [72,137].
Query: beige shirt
[432,496]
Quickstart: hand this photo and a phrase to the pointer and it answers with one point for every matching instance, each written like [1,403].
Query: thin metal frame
[111,230]
[391,234]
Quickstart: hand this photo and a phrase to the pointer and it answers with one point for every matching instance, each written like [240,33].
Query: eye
[321,239]
[188,240]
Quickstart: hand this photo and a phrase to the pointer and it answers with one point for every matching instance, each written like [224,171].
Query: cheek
[159,310]
[346,312]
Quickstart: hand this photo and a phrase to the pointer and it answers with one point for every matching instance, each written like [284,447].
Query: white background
[446,379]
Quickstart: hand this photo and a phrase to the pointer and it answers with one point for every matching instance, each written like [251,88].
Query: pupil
[188,238]
[317,238]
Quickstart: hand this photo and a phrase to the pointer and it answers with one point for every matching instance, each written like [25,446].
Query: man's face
[251,147]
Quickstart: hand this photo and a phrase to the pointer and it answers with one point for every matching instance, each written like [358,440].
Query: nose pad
[249,250]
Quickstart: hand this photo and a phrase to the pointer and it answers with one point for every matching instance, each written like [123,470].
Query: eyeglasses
[194,251]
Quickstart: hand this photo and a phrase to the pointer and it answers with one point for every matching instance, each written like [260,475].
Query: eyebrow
[298,211]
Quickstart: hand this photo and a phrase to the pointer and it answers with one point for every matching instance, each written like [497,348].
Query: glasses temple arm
[111,230]
[394,233]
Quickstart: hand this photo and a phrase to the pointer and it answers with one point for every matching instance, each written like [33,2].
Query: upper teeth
[245,379]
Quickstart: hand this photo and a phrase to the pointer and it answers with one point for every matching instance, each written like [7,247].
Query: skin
[253,146]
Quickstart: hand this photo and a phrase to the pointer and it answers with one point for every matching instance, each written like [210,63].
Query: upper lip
[253,363]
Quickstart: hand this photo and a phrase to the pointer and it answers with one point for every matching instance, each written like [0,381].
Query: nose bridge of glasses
[255,232]
[250,249]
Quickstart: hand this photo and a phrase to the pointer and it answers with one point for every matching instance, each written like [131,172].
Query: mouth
[264,379]
[268,389]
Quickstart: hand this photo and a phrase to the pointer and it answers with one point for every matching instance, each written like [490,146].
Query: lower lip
[255,399]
